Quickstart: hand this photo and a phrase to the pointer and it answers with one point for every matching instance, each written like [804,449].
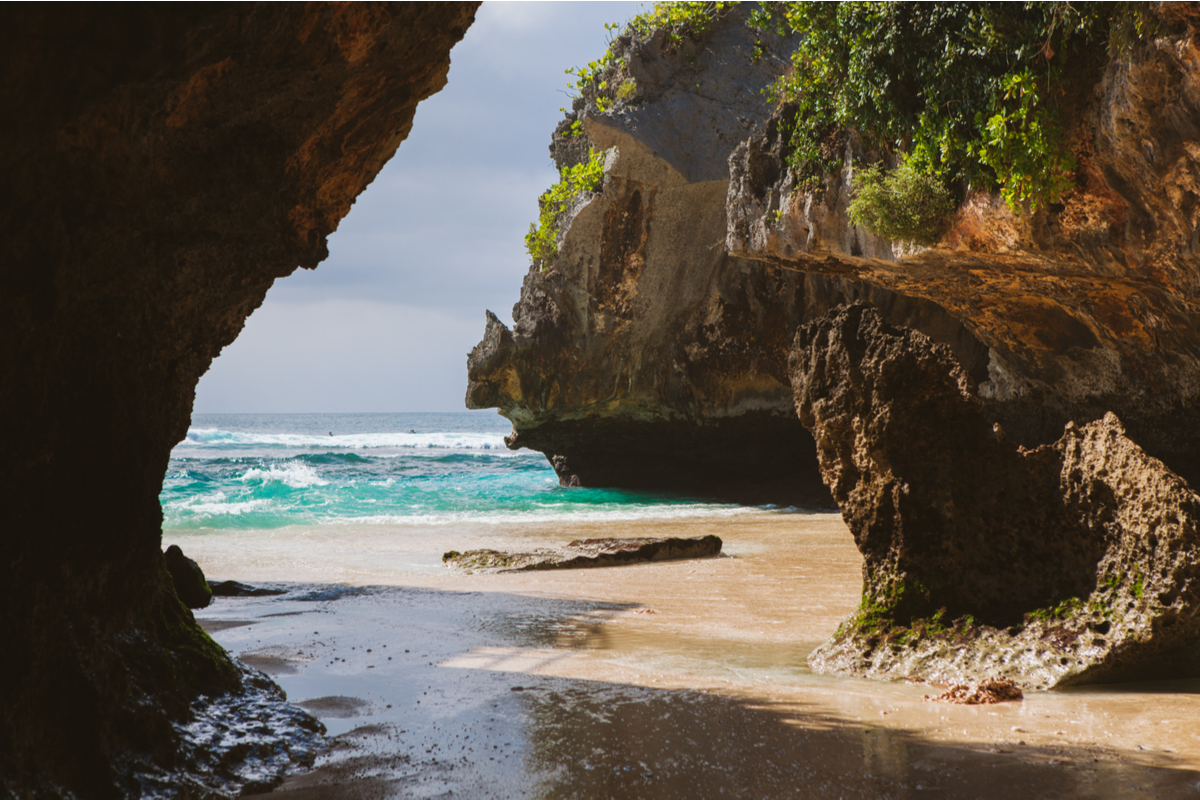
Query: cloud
[437,238]
[339,355]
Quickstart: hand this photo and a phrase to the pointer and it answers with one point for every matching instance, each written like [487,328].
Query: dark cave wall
[163,165]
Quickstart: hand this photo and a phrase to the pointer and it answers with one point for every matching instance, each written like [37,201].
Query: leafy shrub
[678,20]
[1023,143]
[905,204]
[542,239]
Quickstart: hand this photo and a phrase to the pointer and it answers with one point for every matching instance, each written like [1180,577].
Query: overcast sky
[386,322]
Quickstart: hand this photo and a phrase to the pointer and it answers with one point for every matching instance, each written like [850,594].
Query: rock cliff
[642,355]
[1073,562]
[1087,306]
[163,165]
[647,354]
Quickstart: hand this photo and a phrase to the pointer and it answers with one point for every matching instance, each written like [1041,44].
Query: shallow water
[563,684]
[243,474]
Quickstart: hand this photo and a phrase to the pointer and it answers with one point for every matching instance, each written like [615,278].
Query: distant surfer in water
[331,433]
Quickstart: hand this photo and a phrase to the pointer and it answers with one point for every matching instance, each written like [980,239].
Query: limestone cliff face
[162,166]
[650,354]
[643,355]
[1074,562]
[646,323]
[1086,307]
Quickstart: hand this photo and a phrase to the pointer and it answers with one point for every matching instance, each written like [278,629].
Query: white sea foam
[297,476]
[216,438]
[622,514]
[215,505]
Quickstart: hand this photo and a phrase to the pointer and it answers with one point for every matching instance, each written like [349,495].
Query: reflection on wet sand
[594,740]
[565,685]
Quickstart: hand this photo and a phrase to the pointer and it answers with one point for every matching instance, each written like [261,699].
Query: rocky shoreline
[1009,429]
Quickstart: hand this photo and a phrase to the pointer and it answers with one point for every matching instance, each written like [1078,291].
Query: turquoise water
[263,471]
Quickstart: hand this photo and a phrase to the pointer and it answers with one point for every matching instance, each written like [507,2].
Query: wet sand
[682,679]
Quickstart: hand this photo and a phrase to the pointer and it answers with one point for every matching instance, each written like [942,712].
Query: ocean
[292,486]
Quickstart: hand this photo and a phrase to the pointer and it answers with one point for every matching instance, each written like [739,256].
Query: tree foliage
[970,92]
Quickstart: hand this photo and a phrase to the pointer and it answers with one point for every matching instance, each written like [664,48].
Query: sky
[386,322]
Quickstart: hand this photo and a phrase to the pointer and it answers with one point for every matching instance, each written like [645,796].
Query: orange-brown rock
[1089,305]
[162,165]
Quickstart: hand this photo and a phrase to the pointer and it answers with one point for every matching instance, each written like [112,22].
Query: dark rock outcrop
[187,578]
[644,356]
[584,553]
[162,166]
[1070,563]
[236,589]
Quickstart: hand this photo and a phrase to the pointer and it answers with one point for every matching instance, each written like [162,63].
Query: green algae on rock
[1075,562]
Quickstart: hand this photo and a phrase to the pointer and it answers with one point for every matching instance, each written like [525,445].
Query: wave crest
[216,438]
[297,476]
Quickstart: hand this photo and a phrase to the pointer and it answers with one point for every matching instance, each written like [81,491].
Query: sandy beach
[682,679]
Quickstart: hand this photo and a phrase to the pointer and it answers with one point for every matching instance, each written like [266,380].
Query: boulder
[187,578]
[236,589]
[1073,562]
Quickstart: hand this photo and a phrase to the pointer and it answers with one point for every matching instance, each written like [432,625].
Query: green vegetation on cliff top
[542,239]
[966,94]
[969,92]
[677,20]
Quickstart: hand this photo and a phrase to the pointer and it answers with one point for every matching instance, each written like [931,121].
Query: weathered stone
[643,356]
[645,324]
[236,589]
[1085,307]
[584,553]
[188,579]
[162,166]
[1070,563]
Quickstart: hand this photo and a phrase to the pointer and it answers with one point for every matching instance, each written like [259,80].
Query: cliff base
[1075,562]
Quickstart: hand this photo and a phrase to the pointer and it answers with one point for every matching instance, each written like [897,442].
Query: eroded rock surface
[1070,563]
[584,553]
[162,165]
[644,356]
[646,338]
[1085,307]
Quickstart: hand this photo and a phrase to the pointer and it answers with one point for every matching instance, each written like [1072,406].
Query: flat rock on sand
[583,553]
